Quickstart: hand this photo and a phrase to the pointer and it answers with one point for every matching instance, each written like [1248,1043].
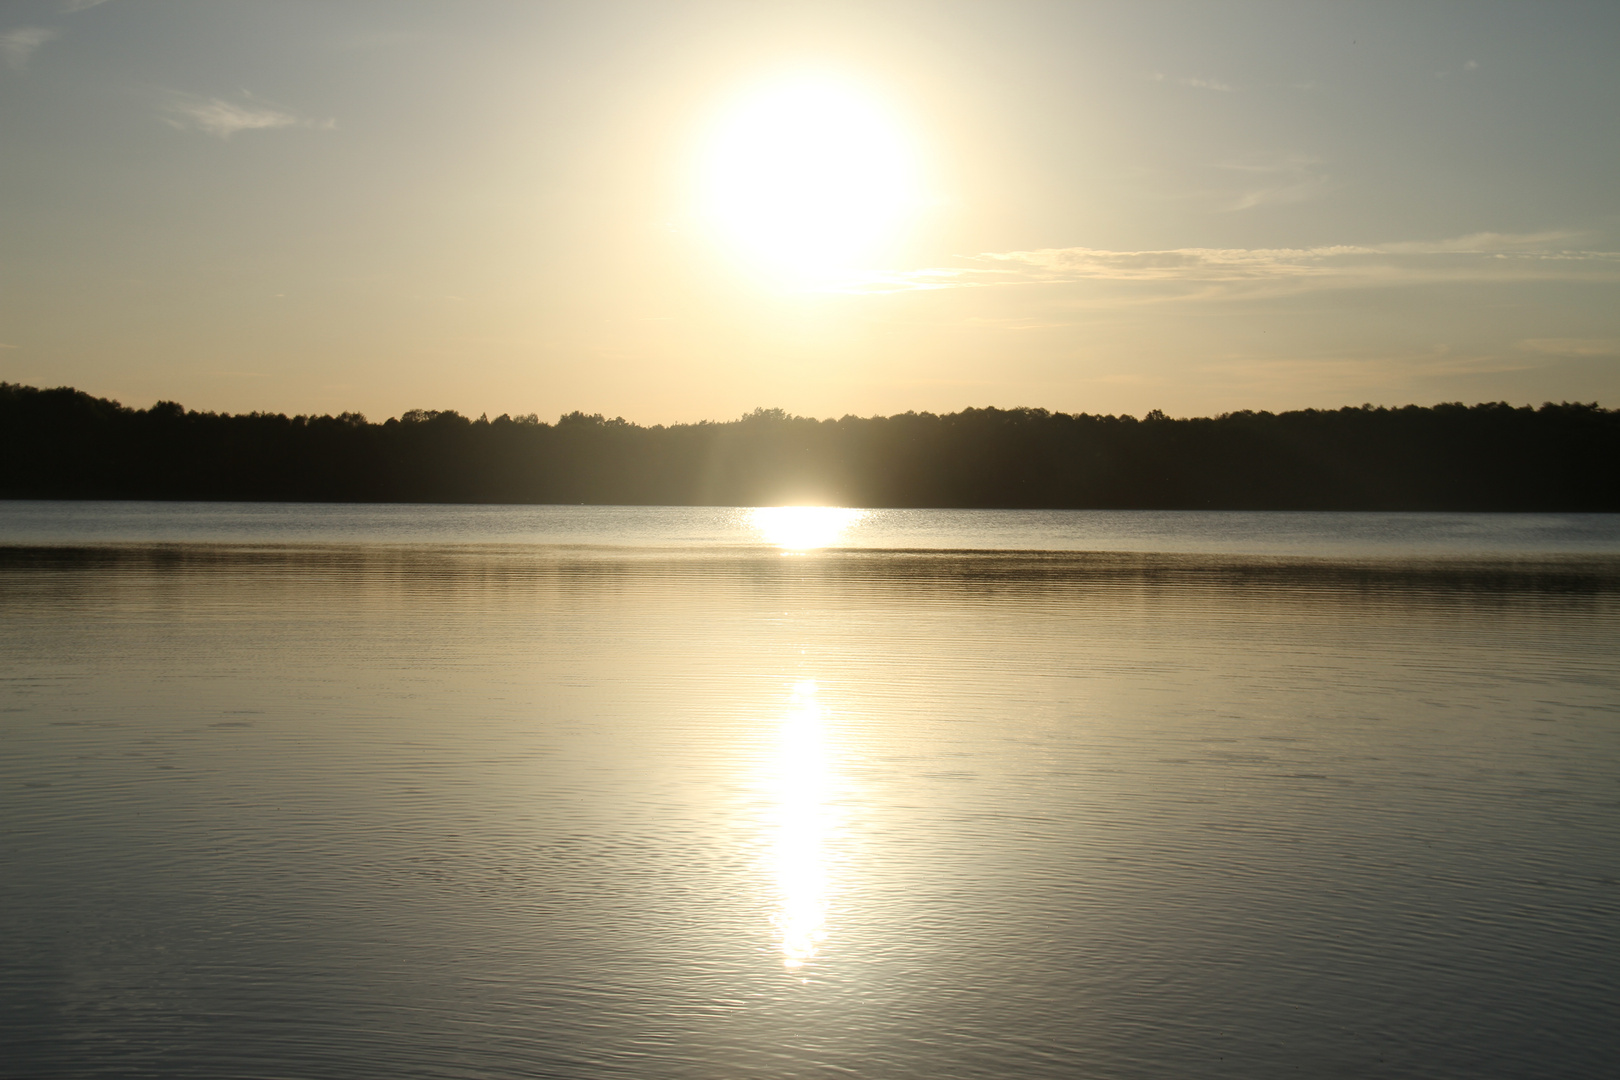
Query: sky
[674,212]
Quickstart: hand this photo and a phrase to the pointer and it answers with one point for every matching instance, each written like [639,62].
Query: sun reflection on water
[803,784]
[800,528]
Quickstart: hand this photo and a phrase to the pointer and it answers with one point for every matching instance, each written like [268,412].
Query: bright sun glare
[808,177]
[801,528]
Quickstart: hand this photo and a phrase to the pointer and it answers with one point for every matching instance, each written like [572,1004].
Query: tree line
[64,443]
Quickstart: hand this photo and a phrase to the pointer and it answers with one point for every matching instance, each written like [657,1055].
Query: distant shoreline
[65,444]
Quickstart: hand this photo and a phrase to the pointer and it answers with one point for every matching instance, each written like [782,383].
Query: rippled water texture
[397,807]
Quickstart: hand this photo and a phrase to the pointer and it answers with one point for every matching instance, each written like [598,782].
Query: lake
[588,792]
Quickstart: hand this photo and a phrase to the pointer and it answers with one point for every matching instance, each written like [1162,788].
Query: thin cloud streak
[1572,346]
[1488,243]
[1195,83]
[222,119]
[16,46]
[1478,257]
[1287,179]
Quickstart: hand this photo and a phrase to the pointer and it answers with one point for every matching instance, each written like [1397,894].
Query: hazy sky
[681,211]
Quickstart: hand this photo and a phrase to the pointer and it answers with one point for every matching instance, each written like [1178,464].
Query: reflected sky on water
[479,811]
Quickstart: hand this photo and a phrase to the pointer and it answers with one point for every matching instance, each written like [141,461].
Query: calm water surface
[1314,535]
[626,792]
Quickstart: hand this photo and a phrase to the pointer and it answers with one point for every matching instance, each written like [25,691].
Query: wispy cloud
[1469,65]
[222,118]
[1572,346]
[81,5]
[1196,83]
[1240,271]
[16,46]
[1288,178]
[1552,241]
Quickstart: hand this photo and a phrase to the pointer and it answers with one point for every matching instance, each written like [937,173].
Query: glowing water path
[802,781]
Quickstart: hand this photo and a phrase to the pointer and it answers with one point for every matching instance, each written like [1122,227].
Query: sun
[808,176]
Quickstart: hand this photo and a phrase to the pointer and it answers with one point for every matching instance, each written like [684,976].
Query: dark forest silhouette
[63,443]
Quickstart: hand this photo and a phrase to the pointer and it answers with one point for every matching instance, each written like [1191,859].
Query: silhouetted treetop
[63,443]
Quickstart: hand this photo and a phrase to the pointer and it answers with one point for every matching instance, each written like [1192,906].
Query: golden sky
[675,212]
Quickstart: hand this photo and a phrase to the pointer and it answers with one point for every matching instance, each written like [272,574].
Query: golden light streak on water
[803,782]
